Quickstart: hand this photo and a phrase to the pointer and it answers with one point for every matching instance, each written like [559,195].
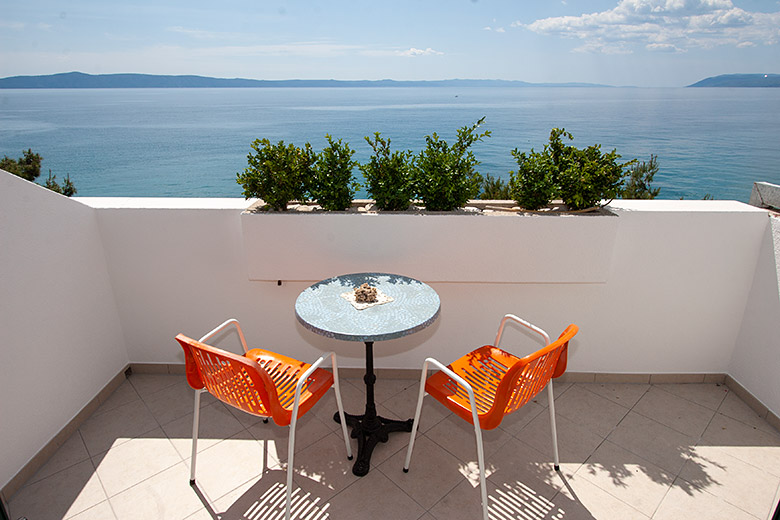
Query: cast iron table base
[369,428]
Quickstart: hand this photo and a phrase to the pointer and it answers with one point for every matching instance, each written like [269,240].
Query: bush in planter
[582,178]
[532,185]
[637,185]
[388,176]
[333,186]
[278,173]
[444,176]
[493,188]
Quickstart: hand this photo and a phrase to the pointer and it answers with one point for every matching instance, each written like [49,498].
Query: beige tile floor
[628,451]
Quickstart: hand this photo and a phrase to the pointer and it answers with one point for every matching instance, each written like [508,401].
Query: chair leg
[290,455]
[481,463]
[416,422]
[195,424]
[551,406]
[340,406]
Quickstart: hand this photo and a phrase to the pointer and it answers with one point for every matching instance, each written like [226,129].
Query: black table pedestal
[369,428]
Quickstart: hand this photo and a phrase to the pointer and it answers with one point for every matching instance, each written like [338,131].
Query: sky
[646,43]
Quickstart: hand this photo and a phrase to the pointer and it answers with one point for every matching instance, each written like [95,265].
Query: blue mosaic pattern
[321,309]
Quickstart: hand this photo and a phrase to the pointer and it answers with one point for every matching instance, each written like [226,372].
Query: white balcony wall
[756,359]
[683,290]
[60,335]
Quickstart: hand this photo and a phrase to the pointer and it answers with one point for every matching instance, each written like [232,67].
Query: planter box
[434,247]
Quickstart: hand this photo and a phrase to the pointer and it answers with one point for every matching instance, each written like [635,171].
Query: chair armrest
[530,326]
[462,382]
[227,323]
[309,371]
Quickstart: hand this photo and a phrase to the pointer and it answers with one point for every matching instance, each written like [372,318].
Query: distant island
[740,80]
[81,80]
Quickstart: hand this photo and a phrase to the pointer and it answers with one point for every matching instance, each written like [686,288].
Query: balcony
[669,409]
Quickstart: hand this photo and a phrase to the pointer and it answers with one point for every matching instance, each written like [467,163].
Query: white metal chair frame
[474,415]
[294,418]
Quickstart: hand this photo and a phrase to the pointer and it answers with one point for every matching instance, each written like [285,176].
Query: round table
[322,309]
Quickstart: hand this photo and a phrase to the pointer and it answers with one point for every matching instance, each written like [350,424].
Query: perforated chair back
[502,383]
[261,382]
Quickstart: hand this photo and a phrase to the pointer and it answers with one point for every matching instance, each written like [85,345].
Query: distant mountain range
[740,80]
[81,80]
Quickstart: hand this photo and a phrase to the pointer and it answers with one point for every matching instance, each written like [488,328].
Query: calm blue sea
[192,142]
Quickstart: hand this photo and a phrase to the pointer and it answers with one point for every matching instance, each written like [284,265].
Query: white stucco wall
[60,335]
[756,360]
[94,283]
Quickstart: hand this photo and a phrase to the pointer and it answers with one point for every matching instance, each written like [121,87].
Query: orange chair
[489,383]
[261,383]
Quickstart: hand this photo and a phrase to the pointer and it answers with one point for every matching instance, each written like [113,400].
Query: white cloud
[419,52]
[663,25]
[494,29]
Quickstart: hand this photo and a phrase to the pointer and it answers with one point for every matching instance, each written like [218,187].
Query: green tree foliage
[493,188]
[334,186]
[29,168]
[582,178]
[388,175]
[532,186]
[640,175]
[444,176]
[278,173]
[67,187]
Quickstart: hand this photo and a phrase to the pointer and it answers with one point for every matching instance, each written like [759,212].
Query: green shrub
[493,188]
[388,175]
[582,178]
[532,186]
[640,175]
[333,186]
[444,176]
[278,173]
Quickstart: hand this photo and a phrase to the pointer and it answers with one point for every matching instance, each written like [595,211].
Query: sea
[709,142]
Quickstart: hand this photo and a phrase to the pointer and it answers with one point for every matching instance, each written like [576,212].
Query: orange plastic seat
[261,383]
[489,383]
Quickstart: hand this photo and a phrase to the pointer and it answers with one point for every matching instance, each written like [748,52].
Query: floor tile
[101,432]
[127,464]
[624,394]
[746,443]
[626,476]
[433,472]
[216,424]
[352,399]
[165,496]
[404,404]
[653,441]
[308,430]
[64,494]
[518,463]
[519,419]
[232,463]
[458,437]
[708,395]
[596,413]
[675,412]
[575,443]
[323,469]
[266,498]
[579,499]
[734,407]
[124,394]
[374,496]
[175,401]
[739,483]
[70,453]
[102,511]
[148,384]
[679,503]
